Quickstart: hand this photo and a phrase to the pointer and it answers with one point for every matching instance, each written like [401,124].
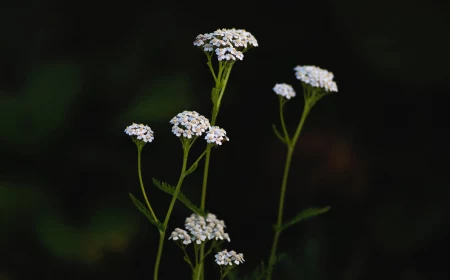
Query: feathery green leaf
[146,212]
[181,197]
[305,214]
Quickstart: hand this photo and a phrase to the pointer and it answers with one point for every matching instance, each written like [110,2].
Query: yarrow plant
[203,233]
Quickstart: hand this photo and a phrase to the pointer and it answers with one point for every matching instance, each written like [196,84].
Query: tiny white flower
[140,132]
[316,77]
[284,90]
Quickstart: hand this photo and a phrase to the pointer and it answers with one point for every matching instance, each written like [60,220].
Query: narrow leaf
[305,214]
[145,211]
[278,134]
[181,197]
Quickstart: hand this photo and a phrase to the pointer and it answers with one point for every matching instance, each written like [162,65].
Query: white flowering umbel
[216,136]
[203,229]
[228,44]
[189,124]
[229,258]
[181,234]
[140,132]
[284,90]
[227,261]
[200,229]
[316,77]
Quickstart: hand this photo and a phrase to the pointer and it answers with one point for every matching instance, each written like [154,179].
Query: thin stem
[142,183]
[215,112]
[162,234]
[187,258]
[196,255]
[205,177]
[213,245]
[158,256]
[283,124]
[306,109]
[272,259]
[220,85]
[180,181]
[190,170]
[199,273]
[291,147]
[211,67]
[224,85]
[223,274]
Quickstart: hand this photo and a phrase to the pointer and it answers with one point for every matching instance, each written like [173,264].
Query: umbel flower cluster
[189,124]
[140,132]
[316,77]
[201,229]
[229,258]
[228,44]
[284,90]
[216,135]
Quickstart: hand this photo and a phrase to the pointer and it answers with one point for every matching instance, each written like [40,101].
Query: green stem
[224,85]
[162,234]
[283,125]
[142,183]
[193,166]
[186,256]
[158,256]
[220,85]
[291,147]
[199,273]
[223,274]
[205,177]
[211,67]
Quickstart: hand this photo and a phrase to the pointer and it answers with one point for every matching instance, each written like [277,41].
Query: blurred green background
[73,75]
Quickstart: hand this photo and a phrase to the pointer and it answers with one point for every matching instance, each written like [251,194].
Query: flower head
[284,90]
[229,258]
[206,228]
[228,44]
[216,135]
[201,229]
[189,124]
[316,77]
[180,234]
[140,132]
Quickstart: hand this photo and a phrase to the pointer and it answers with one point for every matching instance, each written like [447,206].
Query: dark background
[73,75]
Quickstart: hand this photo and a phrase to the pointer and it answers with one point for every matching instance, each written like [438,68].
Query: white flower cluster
[216,135]
[189,124]
[229,258]
[228,44]
[316,77]
[181,234]
[201,229]
[140,132]
[206,228]
[284,90]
